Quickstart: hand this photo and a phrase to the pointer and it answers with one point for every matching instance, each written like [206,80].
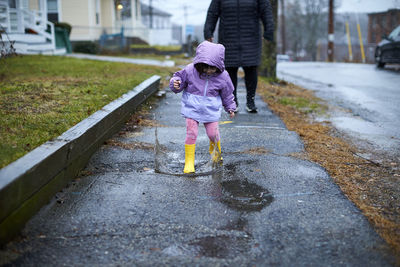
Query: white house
[30,23]
[25,22]
[159,24]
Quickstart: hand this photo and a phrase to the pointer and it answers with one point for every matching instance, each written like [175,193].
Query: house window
[52,10]
[393,20]
[97,12]
[12,3]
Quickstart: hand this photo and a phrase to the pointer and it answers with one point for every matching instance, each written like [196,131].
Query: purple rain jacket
[204,95]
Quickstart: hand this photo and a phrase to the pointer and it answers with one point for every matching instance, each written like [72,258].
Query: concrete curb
[31,181]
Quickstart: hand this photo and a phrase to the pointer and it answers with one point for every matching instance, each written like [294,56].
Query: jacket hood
[211,54]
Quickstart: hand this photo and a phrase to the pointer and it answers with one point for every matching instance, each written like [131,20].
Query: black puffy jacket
[240,29]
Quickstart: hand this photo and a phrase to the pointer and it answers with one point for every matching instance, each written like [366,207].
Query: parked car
[283,58]
[388,50]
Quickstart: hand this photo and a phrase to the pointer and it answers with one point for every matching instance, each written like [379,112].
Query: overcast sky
[196,10]
[367,6]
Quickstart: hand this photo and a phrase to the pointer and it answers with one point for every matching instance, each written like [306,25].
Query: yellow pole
[349,42]
[361,43]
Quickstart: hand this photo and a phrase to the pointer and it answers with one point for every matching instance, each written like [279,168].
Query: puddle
[242,195]
[240,224]
[237,192]
[223,246]
[178,250]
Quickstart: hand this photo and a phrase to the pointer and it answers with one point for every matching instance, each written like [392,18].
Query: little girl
[206,87]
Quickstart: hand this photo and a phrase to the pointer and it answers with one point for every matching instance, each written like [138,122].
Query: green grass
[158,47]
[43,96]
[303,104]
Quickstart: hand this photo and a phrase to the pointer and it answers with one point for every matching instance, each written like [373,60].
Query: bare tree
[306,23]
[6,45]
[283,26]
[315,12]
[294,27]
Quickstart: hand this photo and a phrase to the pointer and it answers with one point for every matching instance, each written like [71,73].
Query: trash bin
[62,39]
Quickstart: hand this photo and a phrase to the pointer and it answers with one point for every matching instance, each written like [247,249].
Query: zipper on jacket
[206,87]
[239,31]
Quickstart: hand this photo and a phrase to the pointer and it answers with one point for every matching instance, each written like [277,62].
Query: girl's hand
[177,84]
[231,114]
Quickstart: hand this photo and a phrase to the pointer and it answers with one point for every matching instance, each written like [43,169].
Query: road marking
[225,122]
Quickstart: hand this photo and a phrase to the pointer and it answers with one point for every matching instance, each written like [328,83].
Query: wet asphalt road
[366,99]
[259,209]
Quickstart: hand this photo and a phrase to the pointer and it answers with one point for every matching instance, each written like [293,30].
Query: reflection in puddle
[237,192]
[244,196]
[222,246]
[237,225]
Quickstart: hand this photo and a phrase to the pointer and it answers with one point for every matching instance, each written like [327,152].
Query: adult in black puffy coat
[240,33]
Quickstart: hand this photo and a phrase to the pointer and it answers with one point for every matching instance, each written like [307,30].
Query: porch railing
[4,15]
[21,19]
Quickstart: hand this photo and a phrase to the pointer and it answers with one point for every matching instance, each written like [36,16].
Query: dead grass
[373,187]
[256,151]
[130,146]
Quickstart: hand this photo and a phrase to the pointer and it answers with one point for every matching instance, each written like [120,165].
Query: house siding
[33,4]
[107,15]
[382,24]
[75,12]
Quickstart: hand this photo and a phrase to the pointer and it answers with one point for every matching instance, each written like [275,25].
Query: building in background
[160,27]
[381,24]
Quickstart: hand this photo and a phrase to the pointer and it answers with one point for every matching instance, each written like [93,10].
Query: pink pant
[192,130]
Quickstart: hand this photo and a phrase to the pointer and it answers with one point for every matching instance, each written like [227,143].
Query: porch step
[58,51]
[27,38]
[36,48]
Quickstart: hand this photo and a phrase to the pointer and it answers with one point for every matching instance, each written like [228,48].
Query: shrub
[86,47]
[64,25]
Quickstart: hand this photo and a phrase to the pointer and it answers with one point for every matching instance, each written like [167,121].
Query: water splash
[172,163]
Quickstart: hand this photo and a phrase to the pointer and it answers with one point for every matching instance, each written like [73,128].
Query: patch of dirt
[256,151]
[130,146]
[373,187]
[141,118]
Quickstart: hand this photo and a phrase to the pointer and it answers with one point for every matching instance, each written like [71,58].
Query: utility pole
[283,27]
[331,36]
[151,14]
[361,40]
[349,42]
[184,24]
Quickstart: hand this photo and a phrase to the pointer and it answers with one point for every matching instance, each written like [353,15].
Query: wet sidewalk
[263,207]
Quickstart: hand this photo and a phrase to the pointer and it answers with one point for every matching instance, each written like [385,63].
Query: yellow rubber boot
[189,158]
[215,152]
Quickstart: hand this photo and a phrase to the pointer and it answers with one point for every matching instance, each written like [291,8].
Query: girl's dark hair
[200,67]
